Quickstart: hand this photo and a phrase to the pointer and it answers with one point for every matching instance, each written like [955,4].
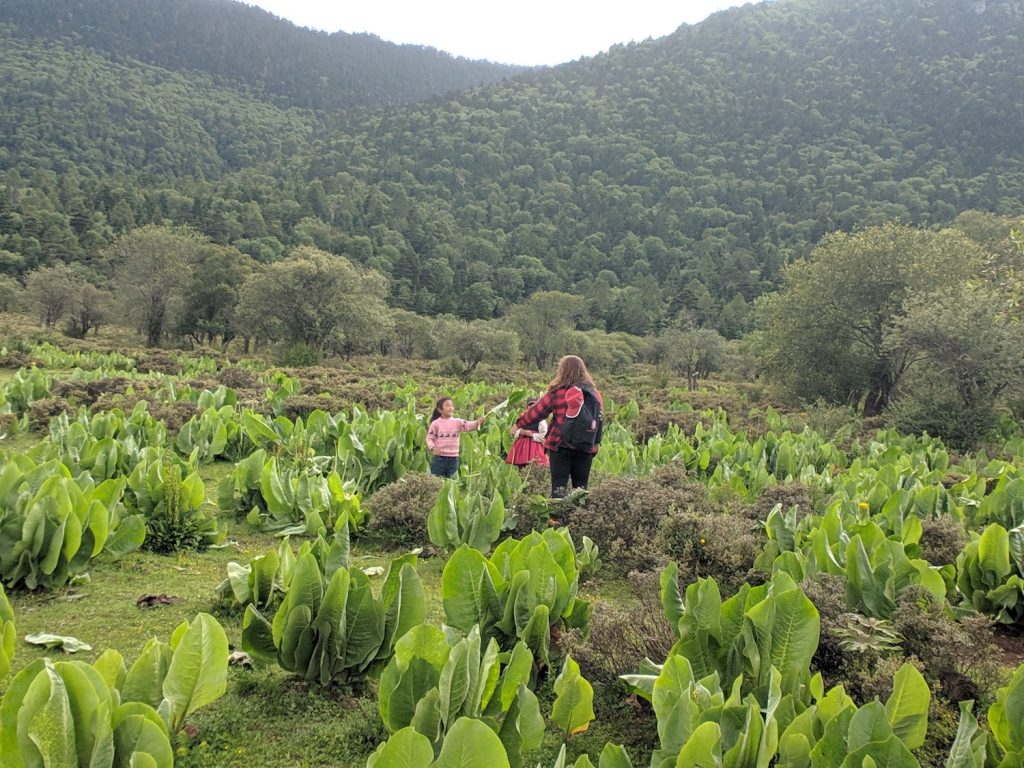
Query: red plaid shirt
[557,403]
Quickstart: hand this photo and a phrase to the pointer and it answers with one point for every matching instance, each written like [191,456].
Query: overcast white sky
[511,32]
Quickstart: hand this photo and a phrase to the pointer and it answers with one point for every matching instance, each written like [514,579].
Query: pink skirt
[525,451]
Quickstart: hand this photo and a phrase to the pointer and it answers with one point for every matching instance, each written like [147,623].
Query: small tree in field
[49,292]
[693,353]
[966,351]
[89,308]
[9,293]
[152,266]
[825,330]
[318,299]
[477,341]
[542,322]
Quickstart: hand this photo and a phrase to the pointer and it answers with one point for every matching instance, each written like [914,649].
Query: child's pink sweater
[443,435]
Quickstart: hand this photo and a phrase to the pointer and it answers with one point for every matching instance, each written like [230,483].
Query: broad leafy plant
[990,573]
[459,518]
[526,589]
[170,495]
[330,628]
[76,714]
[285,499]
[429,685]
[51,525]
[267,577]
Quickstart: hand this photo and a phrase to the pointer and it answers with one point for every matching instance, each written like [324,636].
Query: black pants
[566,464]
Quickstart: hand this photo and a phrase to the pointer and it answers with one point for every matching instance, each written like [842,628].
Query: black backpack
[583,431]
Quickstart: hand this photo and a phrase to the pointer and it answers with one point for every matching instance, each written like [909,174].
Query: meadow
[742,584]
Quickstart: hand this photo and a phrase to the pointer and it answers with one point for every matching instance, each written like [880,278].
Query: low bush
[828,593]
[722,544]
[928,406]
[942,539]
[398,512]
[624,514]
[805,498]
[238,378]
[655,421]
[621,635]
[958,656]
[299,355]
[300,406]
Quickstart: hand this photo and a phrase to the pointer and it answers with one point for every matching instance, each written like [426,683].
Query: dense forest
[247,46]
[666,180]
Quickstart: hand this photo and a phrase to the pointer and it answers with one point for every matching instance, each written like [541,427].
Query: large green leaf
[469,585]
[405,749]
[139,729]
[574,700]
[453,684]
[471,744]
[703,749]
[364,623]
[50,726]
[197,674]
[145,679]
[401,689]
[671,599]
[907,707]
[968,750]
[404,603]
[614,756]
[994,553]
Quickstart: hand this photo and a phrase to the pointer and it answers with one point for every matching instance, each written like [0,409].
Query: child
[443,437]
[528,447]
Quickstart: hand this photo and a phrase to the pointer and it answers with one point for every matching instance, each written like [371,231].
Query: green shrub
[953,652]
[622,634]
[935,409]
[806,499]
[828,593]
[299,355]
[398,511]
[942,539]
[720,544]
[623,515]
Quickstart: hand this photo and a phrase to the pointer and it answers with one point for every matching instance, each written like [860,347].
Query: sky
[528,32]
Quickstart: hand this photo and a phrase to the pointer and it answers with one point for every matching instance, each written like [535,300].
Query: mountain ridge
[294,66]
[668,178]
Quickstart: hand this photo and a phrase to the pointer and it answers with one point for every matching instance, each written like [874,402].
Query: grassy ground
[266,718]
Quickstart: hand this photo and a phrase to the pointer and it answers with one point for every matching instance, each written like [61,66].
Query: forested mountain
[233,42]
[672,177]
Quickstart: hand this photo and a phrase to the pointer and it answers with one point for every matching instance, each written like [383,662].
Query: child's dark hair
[437,408]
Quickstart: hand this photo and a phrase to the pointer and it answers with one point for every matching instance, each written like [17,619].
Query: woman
[575,405]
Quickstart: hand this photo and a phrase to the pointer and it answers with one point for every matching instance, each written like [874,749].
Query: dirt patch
[1010,642]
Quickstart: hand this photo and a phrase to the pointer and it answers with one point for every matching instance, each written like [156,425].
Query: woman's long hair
[437,409]
[572,372]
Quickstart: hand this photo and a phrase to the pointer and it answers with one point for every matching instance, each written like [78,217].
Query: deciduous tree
[825,331]
[319,299]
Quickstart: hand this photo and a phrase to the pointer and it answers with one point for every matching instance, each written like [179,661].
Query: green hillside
[245,45]
[663,179]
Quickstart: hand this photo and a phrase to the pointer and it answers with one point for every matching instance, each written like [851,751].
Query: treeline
[176,287]
[923,326]
[662,183]
[249,47]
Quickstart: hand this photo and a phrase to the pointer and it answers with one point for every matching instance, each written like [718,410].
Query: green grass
[265,718]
